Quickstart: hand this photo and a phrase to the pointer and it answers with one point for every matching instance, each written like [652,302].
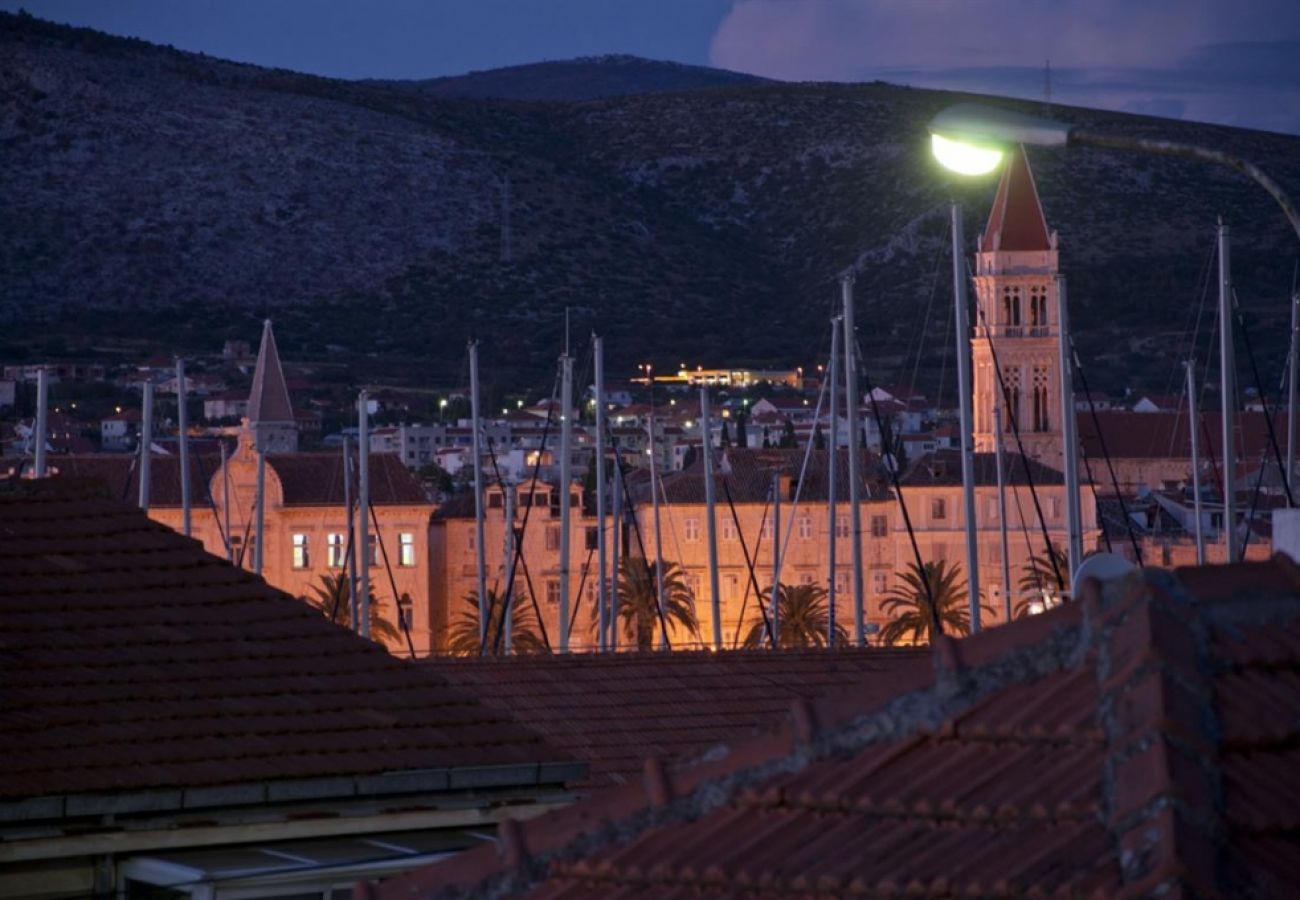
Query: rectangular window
[879,526]
[552,537]
[841,526]
[495,500]
[1054,507]
[938,508]
[405,609]
[470,537]
[552,591]
[806,578]
[691,527]
[693,584]
[805,528]
[728,529]
[301,558]
[592,537]
[766,533]
[372,549]
[879,583]
[334,550]
[731,588]
[406,549]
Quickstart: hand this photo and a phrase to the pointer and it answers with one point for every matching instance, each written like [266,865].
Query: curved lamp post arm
[1191,151]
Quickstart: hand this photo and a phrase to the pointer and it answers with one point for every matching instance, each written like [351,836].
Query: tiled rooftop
[611,711]
[131,660]
[1140,742]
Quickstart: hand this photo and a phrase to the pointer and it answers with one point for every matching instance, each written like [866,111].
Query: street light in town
[971,139]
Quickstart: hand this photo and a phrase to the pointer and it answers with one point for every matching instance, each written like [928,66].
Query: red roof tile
[1132,743]
[612,711]
[132,660]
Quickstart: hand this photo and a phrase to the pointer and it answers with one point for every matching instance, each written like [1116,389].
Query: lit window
[805,528]
[692,528]
[406,550]
[334,550]
[301,558]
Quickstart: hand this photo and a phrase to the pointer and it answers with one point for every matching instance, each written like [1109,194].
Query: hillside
[176,199]
[587,78]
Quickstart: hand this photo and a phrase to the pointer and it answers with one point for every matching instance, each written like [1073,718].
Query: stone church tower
[1015,290]
[270,426]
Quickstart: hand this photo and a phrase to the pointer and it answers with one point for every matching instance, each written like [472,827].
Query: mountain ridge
[189,197]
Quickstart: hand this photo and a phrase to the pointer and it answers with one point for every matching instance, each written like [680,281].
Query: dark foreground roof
[612,711]
[132,661]
[1140,742]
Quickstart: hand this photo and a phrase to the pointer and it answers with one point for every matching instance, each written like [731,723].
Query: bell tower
[1015,294]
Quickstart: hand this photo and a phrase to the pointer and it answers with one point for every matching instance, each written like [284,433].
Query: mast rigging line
[753,578]
[383,551]
[518,556]
[885,443]
[1263,402]
[1020,447]
[630,512]
[1105,453]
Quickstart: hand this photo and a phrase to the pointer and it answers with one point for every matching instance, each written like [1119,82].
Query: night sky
[1236,63]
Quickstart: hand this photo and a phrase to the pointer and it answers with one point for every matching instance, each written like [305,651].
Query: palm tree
[463,638]
[910,604]
[638,606]
[333,597]
[1038,585]
[804,618]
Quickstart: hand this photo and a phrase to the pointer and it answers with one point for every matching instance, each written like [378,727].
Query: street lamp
[970,138]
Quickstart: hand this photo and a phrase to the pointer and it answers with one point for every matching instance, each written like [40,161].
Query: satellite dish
[1102,566]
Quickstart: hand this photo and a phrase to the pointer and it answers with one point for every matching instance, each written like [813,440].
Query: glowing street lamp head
[965,158]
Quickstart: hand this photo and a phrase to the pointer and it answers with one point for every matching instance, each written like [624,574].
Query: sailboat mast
[967,436]
[1069,442]
[855,478]
[775,592]
[363,510]
[183,437]
[832,451]
[41,427]
[1194,427]
[654,498]
[1227,371]
[146,438]
[476,451]
[1002,511]
[566,476]
[710,516]
[602,572]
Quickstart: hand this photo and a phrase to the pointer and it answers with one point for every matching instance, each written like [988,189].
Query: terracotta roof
[747,473]
[316,479]
[1016,222]
[943,467]
[120,474]
[1165,434]
[132,660]
[612,710]
[1140,742]
[268,401]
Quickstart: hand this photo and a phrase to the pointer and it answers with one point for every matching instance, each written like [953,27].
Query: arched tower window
[1038,311]
[1010,397]
[1040,399]
[1011,310]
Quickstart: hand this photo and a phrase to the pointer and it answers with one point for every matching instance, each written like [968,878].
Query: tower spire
[1016,223]
[270,414]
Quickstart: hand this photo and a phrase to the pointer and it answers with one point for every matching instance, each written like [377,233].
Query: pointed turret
[1016,223]
[270,415]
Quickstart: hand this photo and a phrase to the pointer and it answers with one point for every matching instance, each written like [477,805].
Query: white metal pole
[146,439]
[476,451]
[363,510]
[259,546]
[1069,440]
[508,591]
[654,498]
[183,437]
[1002,511]
[967,424]
[602,571]
[349,545]
[1227,382]
[1194,427]
[775,593]
[42,427]
[710,516]
[566,477]
[855,479]
[1291,424]
[616,513]
[832,450]
[225,503]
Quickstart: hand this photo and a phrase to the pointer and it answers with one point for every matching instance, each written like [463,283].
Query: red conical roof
[1017,222]
[269,399]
